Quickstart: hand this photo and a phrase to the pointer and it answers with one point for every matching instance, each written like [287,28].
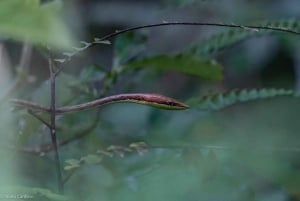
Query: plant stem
[247,27]
[255,28]
[53,126]
[39,118]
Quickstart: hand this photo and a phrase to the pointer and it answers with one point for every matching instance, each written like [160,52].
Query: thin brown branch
[250,27]
[53,125]
[39,118]
[58,71]
[255,28]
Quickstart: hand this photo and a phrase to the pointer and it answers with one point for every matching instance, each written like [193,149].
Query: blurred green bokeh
[248,150]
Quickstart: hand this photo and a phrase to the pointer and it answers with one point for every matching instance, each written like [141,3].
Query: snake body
[154,100]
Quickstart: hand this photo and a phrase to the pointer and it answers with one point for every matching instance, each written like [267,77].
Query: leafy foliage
[75,50]
[190,65]
[222,100]
[111,151]
[207,161]
[128,44]
[225,39]
[38,24]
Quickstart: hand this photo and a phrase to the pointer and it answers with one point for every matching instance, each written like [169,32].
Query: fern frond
[225,39]
[222,100]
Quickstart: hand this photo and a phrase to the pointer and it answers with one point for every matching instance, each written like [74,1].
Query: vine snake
[154,100]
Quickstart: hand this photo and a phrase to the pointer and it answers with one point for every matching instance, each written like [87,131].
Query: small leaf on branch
[60,60]
[85,43]
[73,161]
[105,153]
[68,54]
[140,147]
[119,150]
[99,41]
[91,159]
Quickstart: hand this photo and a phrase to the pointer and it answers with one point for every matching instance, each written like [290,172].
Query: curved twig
[119,32]
[39,118]
[250,27]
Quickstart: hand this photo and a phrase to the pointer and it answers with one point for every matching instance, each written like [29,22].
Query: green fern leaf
[184,63]
[222,100]
[225,39]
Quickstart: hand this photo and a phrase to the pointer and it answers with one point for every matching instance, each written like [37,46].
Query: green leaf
[92,73]
[129,44]
[222,100]
[99,41]
[232,36]
[37,24]
[204,68]
[72,163]
[91,159]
